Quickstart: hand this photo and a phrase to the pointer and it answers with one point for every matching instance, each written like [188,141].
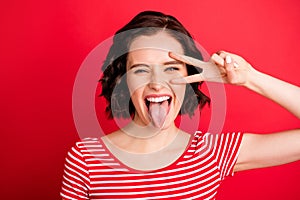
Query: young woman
[155,79]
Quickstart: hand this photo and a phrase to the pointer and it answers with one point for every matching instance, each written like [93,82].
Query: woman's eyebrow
[138,65]
[174,62]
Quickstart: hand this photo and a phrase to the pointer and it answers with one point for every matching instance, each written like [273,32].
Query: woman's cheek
[135,83]
[179,91]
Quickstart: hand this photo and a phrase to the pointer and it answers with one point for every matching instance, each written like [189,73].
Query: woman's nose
[155,86]
[157,80]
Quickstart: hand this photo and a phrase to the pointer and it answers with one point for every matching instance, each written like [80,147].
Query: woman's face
[149,71]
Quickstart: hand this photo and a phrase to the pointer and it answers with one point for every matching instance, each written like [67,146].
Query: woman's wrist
[255,80]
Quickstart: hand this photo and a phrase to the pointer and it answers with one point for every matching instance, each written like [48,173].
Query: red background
[43,44]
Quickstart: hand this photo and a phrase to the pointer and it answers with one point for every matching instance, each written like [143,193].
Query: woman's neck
[143,139]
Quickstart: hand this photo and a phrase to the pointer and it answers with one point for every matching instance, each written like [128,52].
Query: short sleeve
[75,183]
[227,150]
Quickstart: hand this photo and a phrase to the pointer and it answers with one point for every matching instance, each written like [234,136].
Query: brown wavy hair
[114,86]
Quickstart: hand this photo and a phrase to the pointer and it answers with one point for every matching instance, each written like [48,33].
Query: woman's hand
[222,67]
[226,67]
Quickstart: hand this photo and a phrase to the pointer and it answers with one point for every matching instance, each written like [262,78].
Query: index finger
[192,61]
[210,71]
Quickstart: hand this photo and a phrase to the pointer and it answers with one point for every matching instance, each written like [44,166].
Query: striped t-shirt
[92,171]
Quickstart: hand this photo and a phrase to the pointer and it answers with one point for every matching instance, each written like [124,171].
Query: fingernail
[235,65]
[173,53]
[228,59]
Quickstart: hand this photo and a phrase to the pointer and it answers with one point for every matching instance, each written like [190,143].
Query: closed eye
[170,69]
[140,71]
[140,68]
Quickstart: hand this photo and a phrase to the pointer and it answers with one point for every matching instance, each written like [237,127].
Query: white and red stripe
[92,172]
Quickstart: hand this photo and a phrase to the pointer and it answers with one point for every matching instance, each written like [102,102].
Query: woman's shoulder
[206,134]
[87,140]
[209,137]
[87,143]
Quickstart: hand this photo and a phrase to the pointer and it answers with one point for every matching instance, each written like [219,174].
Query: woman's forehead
[158,41]
[149,56]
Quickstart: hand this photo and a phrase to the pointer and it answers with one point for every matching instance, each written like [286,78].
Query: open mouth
[158,108]
[158,100]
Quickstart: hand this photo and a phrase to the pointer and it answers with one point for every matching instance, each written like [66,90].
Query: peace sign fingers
[209,71]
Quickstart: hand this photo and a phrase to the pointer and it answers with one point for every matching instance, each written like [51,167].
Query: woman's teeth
[158,99]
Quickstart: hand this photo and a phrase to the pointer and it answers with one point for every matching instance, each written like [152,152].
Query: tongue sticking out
[158,113]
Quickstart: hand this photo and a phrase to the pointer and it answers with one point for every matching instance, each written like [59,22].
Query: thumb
[217,59]
[229,66]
